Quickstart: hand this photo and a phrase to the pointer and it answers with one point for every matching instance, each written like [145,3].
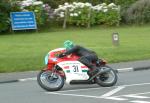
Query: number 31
[75,68]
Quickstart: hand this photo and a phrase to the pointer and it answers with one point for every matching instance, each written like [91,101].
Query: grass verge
[26,51]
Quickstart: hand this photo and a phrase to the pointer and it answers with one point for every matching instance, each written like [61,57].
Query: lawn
[26,51]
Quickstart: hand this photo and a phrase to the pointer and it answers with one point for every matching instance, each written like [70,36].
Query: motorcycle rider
[87,56]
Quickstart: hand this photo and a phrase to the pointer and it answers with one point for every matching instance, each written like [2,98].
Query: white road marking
[136,101]
[115,98]
[130,85]
[130,95]
[107,95]
[75,95]
[87,96]
[136,96]
[113,91]
[81,89]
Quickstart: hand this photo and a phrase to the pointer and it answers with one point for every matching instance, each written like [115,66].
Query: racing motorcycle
[68,69]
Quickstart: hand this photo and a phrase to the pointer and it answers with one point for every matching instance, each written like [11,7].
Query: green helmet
[68,44]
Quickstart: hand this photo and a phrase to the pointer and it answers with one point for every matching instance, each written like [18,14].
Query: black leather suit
[86,56]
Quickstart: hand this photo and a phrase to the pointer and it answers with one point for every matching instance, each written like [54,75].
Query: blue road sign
[23,20]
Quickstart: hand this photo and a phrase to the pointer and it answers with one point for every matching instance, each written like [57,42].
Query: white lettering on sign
[20,15]
[23,18]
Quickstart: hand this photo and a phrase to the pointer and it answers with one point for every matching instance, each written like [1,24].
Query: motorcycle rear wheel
[107,79]
[49,81]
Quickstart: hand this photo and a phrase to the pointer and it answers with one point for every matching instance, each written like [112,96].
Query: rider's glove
[61,55]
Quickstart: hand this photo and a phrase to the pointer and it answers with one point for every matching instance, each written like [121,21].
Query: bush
[139,12]
[5,8]
[124,4]
[4,20]
[107,14]
[81,14]
[42,11]
[53,3]
[56,3]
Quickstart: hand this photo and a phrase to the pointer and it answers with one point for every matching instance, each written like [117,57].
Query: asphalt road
[132,87]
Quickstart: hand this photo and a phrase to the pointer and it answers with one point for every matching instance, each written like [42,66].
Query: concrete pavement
[119,67]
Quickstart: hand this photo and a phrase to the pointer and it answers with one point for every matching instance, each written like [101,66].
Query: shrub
[139,12]
[107,14]
[81,14]
[56,3]
[4,20]
[124,4]
[5,8]
[42,11]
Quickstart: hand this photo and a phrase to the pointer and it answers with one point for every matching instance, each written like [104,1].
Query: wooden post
[119,15]
[65,19]
[89,18]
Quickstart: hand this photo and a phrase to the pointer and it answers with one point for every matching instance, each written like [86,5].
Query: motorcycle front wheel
[107,79]
[50,81]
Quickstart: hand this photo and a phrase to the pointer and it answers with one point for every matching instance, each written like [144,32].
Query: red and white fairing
[72,68]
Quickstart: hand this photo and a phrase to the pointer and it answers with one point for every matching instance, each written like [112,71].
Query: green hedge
[138,13]
[56,3]
[5,8]
[43,12]
[132,11]
[125,4]
[86,14]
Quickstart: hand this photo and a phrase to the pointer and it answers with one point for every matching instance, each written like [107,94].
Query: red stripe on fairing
[66,67]
[83,66]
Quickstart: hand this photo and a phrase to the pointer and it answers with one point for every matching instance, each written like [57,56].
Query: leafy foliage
[139,12]
[81,14]
[5,8]
[42,11]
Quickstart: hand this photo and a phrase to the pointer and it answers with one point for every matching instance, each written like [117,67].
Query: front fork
[54,71]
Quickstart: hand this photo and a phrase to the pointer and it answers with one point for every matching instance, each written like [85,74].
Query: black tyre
[107,79]
[49,81]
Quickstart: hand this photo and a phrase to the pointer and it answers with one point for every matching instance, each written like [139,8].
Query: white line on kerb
[27,79]
[113,91]
[125,70]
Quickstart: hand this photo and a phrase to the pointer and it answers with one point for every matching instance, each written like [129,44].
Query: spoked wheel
[107,79]
[50,81]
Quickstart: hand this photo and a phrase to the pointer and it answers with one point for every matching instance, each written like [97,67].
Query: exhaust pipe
[100,72]
[103,71]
